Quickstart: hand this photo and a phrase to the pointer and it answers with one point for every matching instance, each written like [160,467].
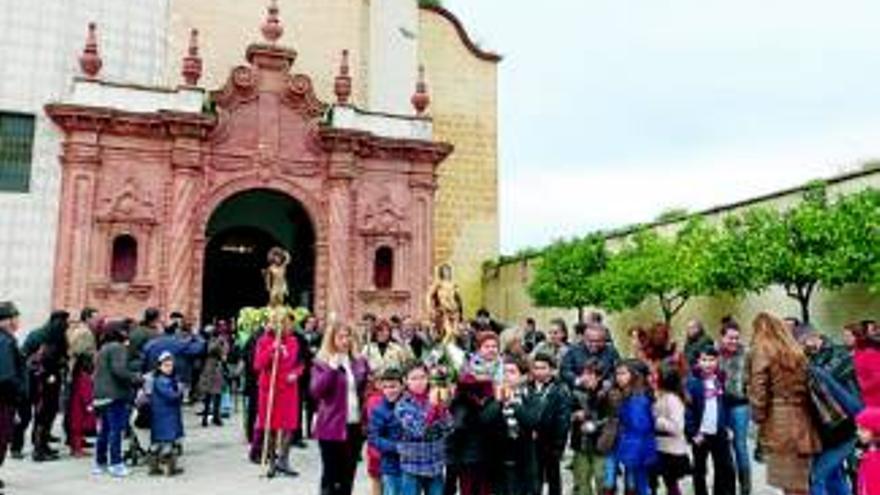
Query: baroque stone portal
[140,187]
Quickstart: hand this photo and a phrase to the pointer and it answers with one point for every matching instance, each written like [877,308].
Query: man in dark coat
[149,328]
[45,350]
[184,346]
[13,378]
[595,349]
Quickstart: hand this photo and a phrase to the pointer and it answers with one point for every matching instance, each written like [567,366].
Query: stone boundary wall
[505,284]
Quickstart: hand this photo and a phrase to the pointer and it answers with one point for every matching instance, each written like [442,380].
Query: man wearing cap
[12,375]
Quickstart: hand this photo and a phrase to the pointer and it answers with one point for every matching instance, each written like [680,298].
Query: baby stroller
[141,416]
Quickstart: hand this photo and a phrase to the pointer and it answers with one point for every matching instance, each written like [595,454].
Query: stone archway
[239,234]
[311,212]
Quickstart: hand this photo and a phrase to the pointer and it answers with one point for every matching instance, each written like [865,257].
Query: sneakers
[98,470]
[118,471]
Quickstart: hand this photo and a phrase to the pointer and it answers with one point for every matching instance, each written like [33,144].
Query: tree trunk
[666,309]
[804,301]
[580,314]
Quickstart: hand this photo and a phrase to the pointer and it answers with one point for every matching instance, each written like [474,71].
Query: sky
[613,111]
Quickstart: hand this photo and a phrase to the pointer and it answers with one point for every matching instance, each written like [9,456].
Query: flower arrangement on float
[251,319]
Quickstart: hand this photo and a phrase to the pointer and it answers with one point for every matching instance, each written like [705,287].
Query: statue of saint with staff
[275,276]
[444,305]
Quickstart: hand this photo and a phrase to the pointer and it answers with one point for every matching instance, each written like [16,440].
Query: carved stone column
[423,184]
[80,161]
[340,237]
[180,233]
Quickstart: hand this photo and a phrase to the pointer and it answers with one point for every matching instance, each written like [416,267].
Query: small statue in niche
[444,305]
[275,276]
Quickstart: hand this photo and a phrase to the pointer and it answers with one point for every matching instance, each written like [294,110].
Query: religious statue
[444,305]
[275,276]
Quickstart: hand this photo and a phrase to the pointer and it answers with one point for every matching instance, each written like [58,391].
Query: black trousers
[718,446]
[7,418]
[339,462]
[24,412]
[250,418]
[548,470]
[212,408]
[46,405]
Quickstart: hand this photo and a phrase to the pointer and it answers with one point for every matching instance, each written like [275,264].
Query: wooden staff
[267,426]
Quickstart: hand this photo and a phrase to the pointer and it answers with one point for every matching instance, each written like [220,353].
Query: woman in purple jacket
[339,378]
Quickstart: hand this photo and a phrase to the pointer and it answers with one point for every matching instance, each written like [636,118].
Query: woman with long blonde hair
[338,385]
[779,397]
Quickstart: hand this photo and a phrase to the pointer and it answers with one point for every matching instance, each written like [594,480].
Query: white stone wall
[135,98]
[393,59]
[40,42]
[380,124]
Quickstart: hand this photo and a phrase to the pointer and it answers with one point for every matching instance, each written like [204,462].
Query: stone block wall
[464,107]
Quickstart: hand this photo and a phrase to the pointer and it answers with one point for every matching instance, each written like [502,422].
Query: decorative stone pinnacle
[420,100]
[342,85]
[90,62]
[272,28]
[192,63]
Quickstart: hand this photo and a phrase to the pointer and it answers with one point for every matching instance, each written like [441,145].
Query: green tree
[564,273]
[670,269]
[816,243]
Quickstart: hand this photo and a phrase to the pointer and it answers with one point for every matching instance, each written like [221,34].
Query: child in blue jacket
[384,431]
[166,424]
[636,446]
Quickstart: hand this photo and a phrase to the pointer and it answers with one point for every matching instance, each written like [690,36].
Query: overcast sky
[612,111]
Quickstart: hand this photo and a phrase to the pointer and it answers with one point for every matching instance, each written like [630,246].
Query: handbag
[851,402]
[827,410]
[608,436]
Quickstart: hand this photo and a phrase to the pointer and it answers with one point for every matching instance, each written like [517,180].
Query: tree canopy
[815,243]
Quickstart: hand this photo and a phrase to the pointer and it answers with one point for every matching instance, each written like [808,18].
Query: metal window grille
[16,151]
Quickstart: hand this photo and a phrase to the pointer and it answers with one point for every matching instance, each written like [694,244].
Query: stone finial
[420,99]
[342,85]
[192,62]
[90,62]
[272,28]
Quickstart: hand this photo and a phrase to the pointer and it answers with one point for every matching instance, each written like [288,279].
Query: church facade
[155,190]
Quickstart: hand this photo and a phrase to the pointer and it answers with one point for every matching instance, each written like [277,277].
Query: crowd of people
[492,410]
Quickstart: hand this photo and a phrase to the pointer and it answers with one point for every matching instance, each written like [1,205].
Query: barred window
[16,148]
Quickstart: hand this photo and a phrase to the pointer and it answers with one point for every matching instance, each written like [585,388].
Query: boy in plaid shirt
[425,423]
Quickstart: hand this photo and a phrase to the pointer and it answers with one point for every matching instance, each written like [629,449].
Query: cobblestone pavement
[215,462]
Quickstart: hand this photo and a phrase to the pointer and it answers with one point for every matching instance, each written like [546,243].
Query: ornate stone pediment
[240,88]
[268,73]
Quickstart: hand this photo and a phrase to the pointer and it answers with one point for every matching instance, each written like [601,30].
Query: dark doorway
[240,234]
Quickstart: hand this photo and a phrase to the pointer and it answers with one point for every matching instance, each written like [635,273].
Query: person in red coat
[867,363]
[283,419]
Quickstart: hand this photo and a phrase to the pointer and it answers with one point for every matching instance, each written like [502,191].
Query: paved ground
[215,463]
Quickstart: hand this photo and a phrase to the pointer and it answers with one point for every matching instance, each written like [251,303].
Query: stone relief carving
[130,204]
[384,215]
